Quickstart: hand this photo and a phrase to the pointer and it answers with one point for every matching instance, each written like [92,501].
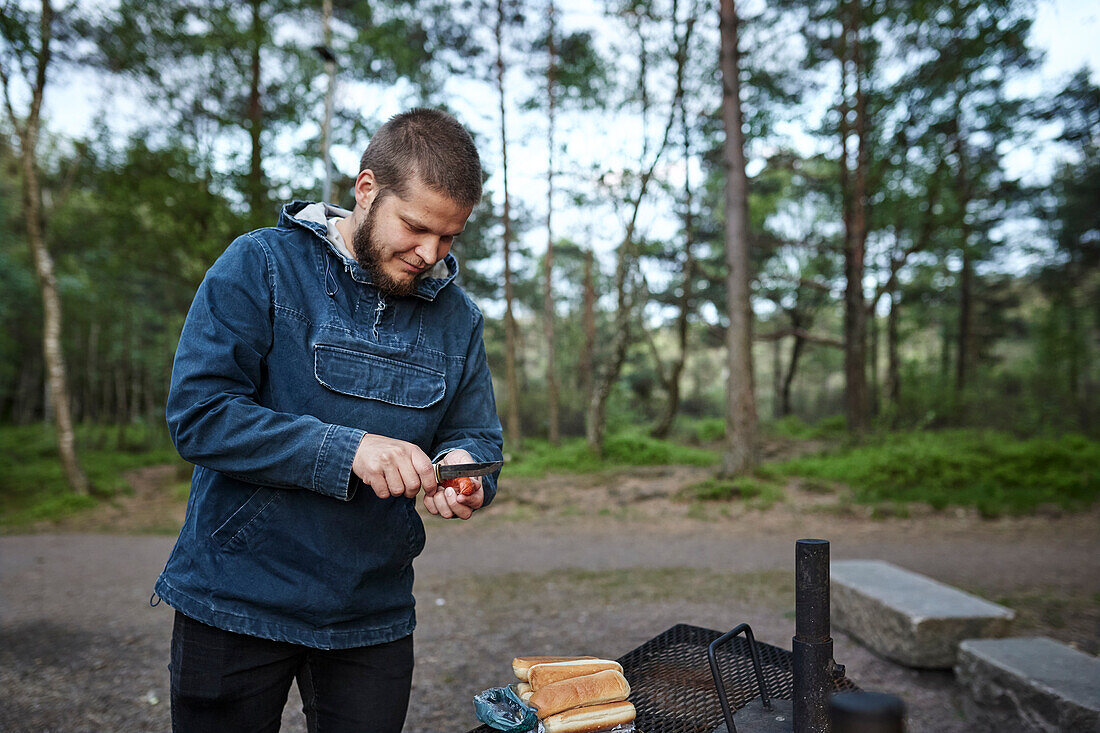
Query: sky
[1065,30]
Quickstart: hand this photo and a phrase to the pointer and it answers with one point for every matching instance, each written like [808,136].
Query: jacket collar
[428,285]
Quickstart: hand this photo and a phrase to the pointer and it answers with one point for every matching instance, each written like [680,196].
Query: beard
[370,254]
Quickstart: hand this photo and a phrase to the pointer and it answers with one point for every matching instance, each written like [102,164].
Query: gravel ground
[81,650]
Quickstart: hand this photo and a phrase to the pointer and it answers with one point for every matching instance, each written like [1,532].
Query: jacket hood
[314,216]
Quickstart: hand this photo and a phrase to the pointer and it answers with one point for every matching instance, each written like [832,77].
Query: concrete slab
[1030,684]
[907,617]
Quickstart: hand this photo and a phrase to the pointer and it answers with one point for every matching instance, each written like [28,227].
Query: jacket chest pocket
[377,377]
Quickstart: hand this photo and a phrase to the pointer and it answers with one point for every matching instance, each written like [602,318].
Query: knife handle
[438,478]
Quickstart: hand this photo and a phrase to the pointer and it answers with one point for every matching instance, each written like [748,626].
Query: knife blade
[445,472]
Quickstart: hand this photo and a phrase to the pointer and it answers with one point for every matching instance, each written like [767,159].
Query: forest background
[919,248]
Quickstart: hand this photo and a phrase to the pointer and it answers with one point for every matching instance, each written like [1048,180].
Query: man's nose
[429,249]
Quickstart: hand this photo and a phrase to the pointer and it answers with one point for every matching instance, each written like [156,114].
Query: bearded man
[313,388]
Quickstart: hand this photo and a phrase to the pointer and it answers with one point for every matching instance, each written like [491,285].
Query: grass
[538,458]
[993,472]
[634,585]
[710,430]
[758,494]
[33,486]
[990,471]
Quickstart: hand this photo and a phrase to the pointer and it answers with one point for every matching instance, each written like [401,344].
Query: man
[323,365]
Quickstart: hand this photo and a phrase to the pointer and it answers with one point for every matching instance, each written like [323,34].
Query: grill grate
[671,686]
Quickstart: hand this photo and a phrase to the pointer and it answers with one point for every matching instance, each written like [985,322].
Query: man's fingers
[442,504]
[472,501]
[454,502]
[395,486]
[430,503]
[410,480]
[426,473]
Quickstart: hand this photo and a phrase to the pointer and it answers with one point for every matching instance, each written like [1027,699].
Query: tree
[504,12]
[684,301]
[638,16]
[573,77]
[247,71]
[740,454]
[967,113]
[1070,278]
[27,51]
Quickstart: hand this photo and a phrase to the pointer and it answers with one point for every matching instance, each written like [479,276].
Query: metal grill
[672,688]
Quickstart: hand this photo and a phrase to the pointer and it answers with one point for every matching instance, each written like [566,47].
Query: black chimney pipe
[812,645]
[866,712]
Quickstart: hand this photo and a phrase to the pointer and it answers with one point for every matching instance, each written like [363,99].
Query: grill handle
[757,667]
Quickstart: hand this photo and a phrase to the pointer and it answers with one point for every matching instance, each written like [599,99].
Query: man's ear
[366,188]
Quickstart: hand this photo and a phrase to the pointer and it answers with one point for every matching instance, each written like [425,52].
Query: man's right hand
[393,467]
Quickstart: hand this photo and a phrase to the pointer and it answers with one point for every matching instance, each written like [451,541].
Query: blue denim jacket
[288,356]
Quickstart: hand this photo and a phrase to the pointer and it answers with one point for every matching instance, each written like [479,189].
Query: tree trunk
[777,378]
[595,415]
[893,368]
[25,402]
[855,329]
[740,455]
[257,193]
[57,380]
[552,390]
[872,362]
[964,355]
[672,405]
[330,93]
[56,376]
[91,367]
[585,364]
[796,353]
[511,378]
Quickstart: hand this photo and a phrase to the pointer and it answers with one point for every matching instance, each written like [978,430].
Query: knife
[445,472]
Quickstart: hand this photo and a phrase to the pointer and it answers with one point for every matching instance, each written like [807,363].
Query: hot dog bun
[590,718]
[547,673]
[591,689]
[521,665]
[523,690]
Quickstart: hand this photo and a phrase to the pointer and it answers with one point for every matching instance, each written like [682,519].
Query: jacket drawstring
[378,311]
[329,277]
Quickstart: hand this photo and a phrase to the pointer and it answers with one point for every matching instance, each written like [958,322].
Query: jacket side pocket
[242,523]
[415,535]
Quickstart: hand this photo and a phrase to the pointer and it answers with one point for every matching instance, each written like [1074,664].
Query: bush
[626,448]
[990,471]
[33,485]
[718,489]
[794,428]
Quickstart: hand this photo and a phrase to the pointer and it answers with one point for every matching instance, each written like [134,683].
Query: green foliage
[793,427]
[710,430]
[991,471]
[33,486]
[538,457]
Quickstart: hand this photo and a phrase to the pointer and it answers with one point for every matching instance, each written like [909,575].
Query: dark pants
[228,682]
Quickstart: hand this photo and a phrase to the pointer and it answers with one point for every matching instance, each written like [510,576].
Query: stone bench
[907,617]
[1030,684]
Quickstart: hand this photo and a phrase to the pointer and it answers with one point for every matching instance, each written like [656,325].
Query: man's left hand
[448,503]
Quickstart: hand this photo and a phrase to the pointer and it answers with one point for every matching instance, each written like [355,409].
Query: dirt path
[81,650]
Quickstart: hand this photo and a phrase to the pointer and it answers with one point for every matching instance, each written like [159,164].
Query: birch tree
[25,61]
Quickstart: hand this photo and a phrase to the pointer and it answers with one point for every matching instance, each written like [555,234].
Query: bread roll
[547,673]
[591,689]
[523,690]
[590,718]
[521,665]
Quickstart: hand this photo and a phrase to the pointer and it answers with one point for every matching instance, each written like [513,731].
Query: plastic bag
[501,708]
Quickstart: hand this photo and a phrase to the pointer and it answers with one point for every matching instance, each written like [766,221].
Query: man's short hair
[429,145]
